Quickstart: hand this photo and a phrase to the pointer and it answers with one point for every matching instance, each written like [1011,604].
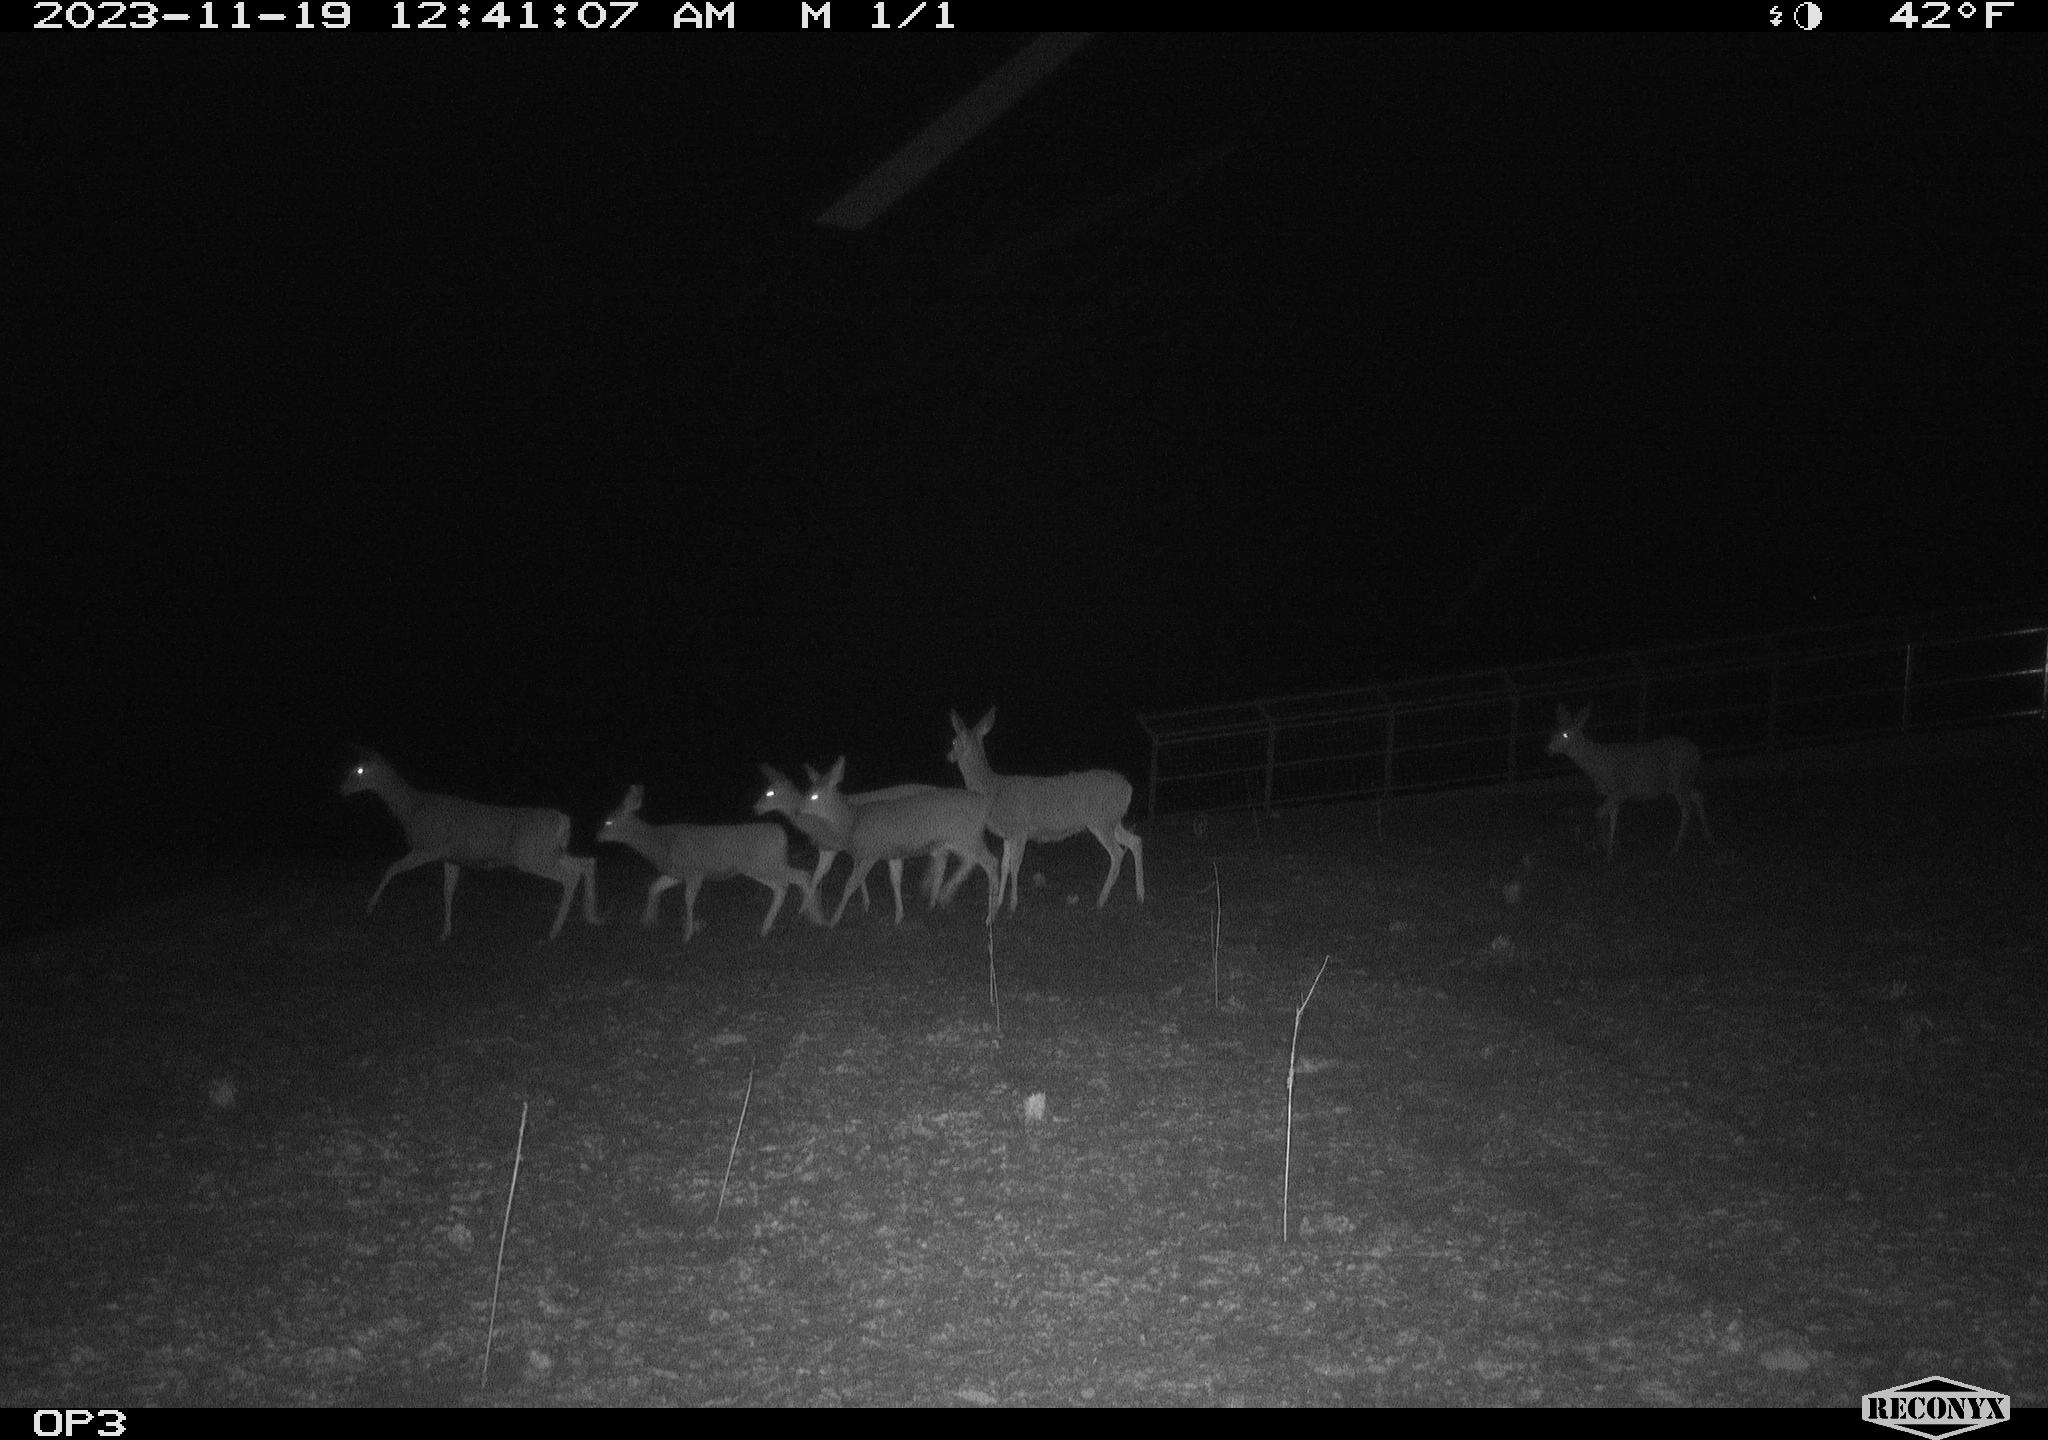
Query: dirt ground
[1765,1124]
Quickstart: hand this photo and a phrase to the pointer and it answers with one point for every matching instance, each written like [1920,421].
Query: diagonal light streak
[932,146]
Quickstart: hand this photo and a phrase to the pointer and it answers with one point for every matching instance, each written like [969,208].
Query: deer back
[915,824]
[1052,807]
[484,837]
[715,851]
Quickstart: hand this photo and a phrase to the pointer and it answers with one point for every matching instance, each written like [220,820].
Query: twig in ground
[1216,940]
[995,997]
[735,1146]
[504,1229]
[1287,1165]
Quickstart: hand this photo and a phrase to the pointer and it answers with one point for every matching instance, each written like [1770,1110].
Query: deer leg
[1116,863]
[586,869]
[967,865]
[812,910]
[690,888]
[986,863]
[896,884]
[570,874]
[934,875]
[1013,868]
[856,881]
[775,905]
[1132,843]
[652,910]
[398,867]
[450,873]
[568,882]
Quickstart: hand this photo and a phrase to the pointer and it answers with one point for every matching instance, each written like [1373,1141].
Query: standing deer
[688,855]
[935,823]
[1640,771]
[462,833]
[782,797]
[1023,808]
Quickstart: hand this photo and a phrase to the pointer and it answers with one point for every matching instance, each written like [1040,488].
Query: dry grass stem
[994,995]
[1287,1164]
[744,1100]
[504,1229]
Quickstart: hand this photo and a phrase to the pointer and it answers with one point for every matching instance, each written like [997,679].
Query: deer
[465,834]
[1023,808]
[688,855]
[935,822]
[782,797]
[1640,771]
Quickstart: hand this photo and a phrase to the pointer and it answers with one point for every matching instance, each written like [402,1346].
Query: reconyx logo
[1936,1407]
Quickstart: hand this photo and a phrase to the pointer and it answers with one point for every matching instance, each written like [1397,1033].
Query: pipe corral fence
[1785,691]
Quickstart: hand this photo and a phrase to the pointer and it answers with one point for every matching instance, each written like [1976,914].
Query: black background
[498,402]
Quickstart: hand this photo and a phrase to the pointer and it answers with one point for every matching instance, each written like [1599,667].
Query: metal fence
[1488,727]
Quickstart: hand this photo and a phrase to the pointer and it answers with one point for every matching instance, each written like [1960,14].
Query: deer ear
[1564,717]
[634,795]
[768,774]
[837,772]
[959,725]
[987,722]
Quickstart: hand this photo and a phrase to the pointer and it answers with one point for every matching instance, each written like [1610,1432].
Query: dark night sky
[501,405]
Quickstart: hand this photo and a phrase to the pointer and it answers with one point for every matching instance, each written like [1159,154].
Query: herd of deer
[894,824]
[899,823]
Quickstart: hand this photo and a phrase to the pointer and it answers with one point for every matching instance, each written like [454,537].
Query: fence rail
[1486,727]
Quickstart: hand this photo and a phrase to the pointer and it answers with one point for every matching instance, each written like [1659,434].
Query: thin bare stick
[995,997]
[735,1146]
[1216,941]
[1287,1166]
[504,1229]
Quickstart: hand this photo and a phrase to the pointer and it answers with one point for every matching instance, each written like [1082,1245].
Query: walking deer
[1640,771]
[688,855]
[935,823]
[782,797]
[463,834]
[1023,808]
